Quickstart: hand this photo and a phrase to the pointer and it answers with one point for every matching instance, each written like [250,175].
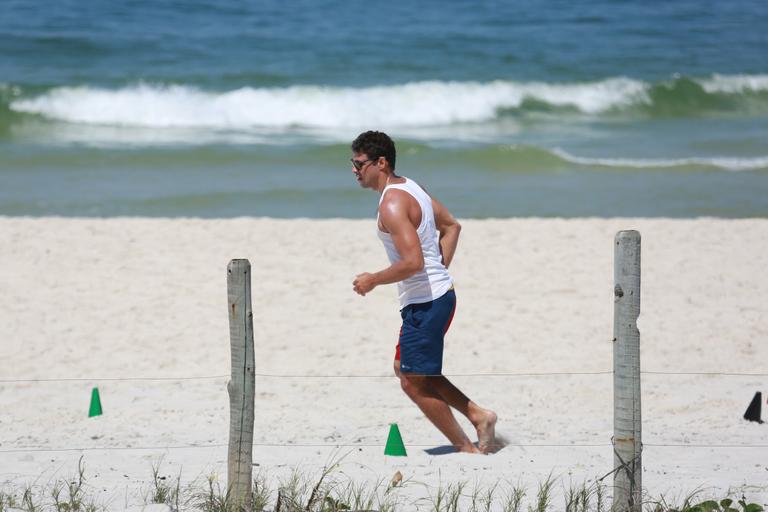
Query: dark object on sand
[753,411]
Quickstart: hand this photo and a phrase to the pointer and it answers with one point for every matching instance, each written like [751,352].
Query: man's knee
[409,382]
[406,386]
[413,383]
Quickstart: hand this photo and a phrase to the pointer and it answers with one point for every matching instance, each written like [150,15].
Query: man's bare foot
[486,432]
[469,448]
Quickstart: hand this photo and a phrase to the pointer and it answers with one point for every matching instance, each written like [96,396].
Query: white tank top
[433,281]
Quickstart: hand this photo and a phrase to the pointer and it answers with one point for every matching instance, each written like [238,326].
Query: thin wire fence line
[361,376]
[113,379]
[716,374]
[25,449]
[512,374]
[696,445]
[275,445]
[490,374]
[432,445]
[365,445]
[299,376]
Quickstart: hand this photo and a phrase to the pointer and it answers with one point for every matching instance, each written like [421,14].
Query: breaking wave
[418,104]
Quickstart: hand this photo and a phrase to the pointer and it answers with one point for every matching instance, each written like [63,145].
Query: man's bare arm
[449,229]
[393,214]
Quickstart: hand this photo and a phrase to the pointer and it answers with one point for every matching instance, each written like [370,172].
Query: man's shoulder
[395,203]
[395,199]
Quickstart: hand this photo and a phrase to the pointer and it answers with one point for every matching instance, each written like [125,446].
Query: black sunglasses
[358,164]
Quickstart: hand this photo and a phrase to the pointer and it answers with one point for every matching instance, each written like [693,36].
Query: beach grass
[331,491]
[163,489]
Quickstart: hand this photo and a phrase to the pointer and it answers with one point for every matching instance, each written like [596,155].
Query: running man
[408,224]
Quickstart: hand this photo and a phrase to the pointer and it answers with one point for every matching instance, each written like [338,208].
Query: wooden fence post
[627,436]
[241,386]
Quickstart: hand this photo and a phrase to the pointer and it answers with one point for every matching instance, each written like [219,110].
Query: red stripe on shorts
[448,325]
[397,349]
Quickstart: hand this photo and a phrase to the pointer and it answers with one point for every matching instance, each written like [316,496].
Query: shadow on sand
[500,443]
[441,450]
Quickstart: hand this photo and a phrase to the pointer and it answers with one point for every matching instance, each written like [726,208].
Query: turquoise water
[500,108]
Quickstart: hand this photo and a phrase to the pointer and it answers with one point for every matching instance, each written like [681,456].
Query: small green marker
[395,444]
[95,409]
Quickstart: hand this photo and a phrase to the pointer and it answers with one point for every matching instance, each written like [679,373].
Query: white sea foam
[414,104]
[726,163]
[733,84]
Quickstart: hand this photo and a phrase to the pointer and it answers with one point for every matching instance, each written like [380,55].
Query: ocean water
[219,109]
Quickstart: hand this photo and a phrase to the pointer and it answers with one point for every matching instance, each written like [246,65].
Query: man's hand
[364,283]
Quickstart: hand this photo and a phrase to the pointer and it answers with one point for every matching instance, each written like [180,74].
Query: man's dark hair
[375,144]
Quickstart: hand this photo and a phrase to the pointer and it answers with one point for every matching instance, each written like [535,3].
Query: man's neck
[388,180]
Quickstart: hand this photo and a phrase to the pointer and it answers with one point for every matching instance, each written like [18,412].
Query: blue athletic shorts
[420,348]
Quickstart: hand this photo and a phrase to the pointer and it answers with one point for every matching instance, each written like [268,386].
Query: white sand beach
[129,298]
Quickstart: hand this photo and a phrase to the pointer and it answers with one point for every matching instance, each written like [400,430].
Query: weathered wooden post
[627,436]
[241,385]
